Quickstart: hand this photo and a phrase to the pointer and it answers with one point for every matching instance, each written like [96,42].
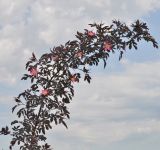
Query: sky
[119,110]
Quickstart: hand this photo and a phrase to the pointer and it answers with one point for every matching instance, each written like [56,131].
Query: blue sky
[119,110]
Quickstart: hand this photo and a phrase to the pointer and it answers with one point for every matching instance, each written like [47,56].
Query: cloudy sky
[120,109]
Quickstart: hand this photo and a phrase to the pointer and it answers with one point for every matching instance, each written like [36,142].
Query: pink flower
[79,54]
[34,72]
[45,92]
[107,46]
[91,33]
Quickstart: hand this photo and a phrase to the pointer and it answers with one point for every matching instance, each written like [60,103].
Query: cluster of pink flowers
[34,72]
[107,46]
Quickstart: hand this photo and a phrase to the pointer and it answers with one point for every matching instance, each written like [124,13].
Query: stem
[34,129]
[39,112]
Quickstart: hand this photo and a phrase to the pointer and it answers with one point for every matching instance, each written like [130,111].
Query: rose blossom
[45,92]
[91,33]
[34,72]
[107,46]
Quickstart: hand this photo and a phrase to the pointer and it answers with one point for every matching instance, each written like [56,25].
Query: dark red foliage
[53,75]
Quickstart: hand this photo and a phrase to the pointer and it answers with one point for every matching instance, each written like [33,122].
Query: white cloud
[7,77]
[107,132]
[147,6]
